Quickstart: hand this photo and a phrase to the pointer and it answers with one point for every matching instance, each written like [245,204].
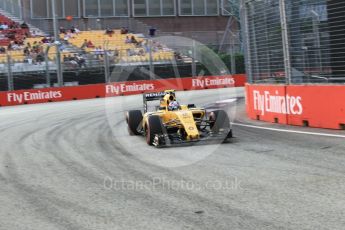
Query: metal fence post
[152,70]
[285,39]
[10,85]
[57,39]
[46,59]
[232,58]
[316,31]
[193,59]
[106,62]
[106,67]
[59,67]
[246,43]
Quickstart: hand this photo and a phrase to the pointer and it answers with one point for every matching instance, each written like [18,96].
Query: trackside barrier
[257,103]
[319,106]
[33,96]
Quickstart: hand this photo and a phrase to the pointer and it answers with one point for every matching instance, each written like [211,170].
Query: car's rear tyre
[134,119]
[154,127]
[219,120]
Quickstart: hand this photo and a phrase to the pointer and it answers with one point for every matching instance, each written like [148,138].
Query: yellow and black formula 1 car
[172,123]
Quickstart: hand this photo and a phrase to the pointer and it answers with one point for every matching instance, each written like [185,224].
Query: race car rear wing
[152,97]
[155,97]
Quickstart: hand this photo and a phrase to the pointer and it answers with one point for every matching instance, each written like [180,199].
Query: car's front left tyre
[153,128]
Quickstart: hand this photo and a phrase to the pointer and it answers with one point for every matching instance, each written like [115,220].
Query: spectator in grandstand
[9,47]
[40,46]
[16,46]
[65,58]
[130,52]
[45,40]
[99,52]
[62,30]
[70,61]
[3,26]
[157,46]
[80,60]
[116,52]
[34,33]
[90,44]
[141,52]
[32,57]
[177,56]
[74,61]
[13,25]
[84,46]
[20,41]
[2,50]
[146,47]
[24,26]
[11,35]
[26,51]
[152,31]
[66,38]
[127,40]
[28,58]
[133,40]
[35,45]
[76,30]
[124,30]
[40,57]
[109,32]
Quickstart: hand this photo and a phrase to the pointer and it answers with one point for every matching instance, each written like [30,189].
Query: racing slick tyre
[134,119]
[219,120]
[154,127]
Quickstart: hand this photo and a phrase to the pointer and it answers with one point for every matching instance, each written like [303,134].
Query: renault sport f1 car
[173,123]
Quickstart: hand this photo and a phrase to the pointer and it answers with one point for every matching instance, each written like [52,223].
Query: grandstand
[203,20]
[116,42]
[11,30]
[83,21]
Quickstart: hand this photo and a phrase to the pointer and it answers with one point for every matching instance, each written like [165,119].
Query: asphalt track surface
[72,165]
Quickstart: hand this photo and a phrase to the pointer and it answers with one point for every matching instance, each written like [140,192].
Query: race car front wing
[166,140]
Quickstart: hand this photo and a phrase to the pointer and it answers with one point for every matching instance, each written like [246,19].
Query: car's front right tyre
[219,120]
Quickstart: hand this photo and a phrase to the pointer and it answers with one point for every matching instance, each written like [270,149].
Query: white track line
[290,131]
[226,101]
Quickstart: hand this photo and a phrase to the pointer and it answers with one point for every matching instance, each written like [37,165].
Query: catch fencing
[56,67]
[294,41]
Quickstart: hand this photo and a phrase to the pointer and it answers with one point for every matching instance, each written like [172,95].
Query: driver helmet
[174,105]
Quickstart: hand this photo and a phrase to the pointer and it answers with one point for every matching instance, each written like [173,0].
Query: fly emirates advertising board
[32,96]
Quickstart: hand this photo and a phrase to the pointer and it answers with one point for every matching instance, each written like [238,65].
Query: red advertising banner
[267,103]
[321,106]
[32,96]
